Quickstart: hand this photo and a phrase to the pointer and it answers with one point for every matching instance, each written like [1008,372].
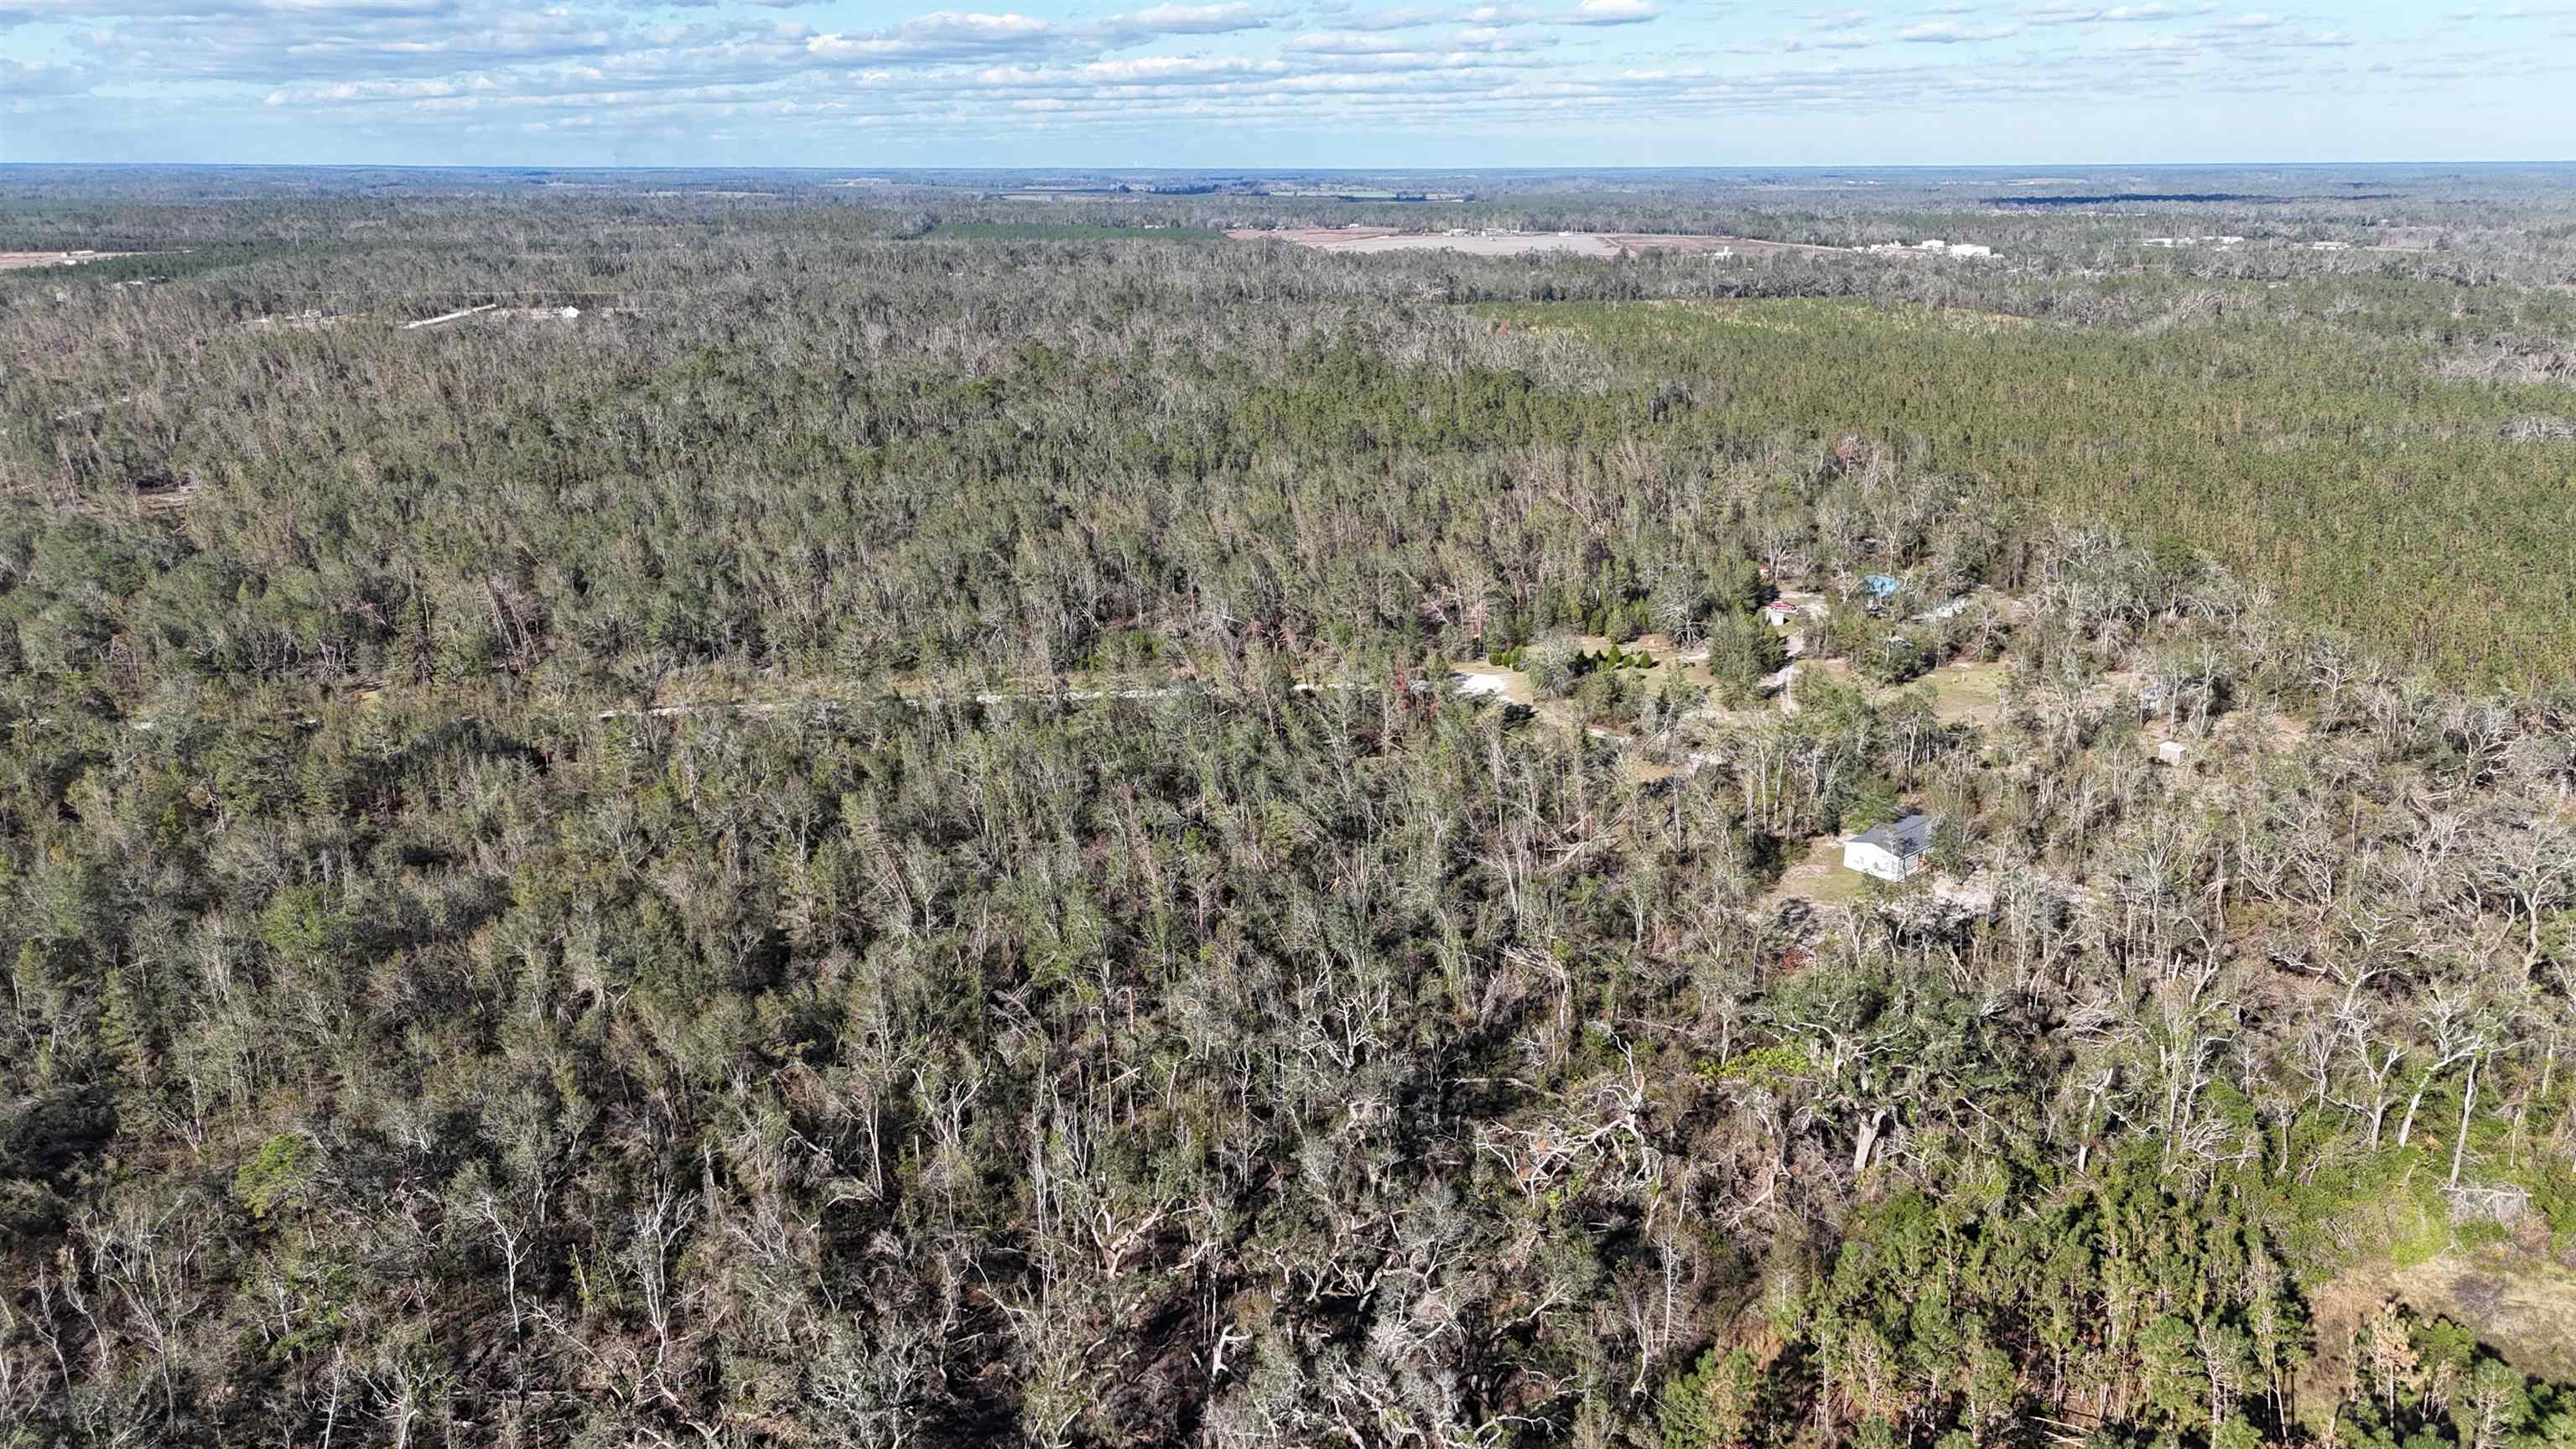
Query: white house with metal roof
[1892,851]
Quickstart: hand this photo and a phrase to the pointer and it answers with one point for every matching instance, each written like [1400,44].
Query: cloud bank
[836,80]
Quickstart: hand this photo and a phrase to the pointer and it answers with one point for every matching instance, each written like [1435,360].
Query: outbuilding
[1892,851]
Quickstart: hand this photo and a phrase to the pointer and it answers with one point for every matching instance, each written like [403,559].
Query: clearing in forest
[1967,692]
[20,261]
[1818,876]
[2521,1304]
[1492,680]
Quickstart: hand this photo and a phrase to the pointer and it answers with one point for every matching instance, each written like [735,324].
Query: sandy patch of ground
[19,261]
[1976,893]
[311,321]
[1493,680]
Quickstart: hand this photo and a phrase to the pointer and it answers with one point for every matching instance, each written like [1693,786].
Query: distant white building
[1894,851]
[1970,249]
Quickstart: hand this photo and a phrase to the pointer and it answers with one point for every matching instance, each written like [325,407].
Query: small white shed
[1892,851]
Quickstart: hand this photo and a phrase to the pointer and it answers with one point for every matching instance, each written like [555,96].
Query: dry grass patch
[1819,876]
[1973,693]
[2520,1304]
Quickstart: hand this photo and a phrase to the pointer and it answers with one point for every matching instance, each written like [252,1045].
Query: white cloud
[1195,19]
[2099,15]
[1344,42]
[1395,19]
[24,79]
[1950,32]
[1152,70]
[971,73]
[960,36]
[1610,12]
[943,35]
[1421,17]
[1489,38]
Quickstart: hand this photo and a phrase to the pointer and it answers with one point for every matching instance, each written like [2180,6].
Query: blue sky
[1280,83]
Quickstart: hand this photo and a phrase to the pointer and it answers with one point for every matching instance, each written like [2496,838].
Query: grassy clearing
[1969,693]
[1819,876]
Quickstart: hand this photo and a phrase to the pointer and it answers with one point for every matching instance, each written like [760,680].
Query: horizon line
[1258,169]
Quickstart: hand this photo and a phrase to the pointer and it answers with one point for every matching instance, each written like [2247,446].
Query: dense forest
[889,816]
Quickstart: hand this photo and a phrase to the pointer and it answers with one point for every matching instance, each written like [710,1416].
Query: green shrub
[279,1177]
